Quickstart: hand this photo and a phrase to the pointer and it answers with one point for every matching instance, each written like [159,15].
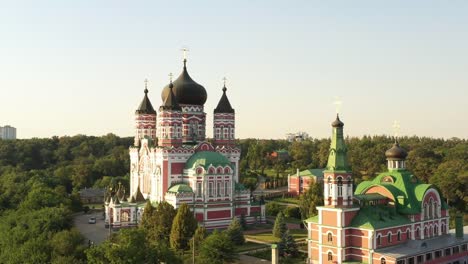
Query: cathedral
[393,219]
[171,160]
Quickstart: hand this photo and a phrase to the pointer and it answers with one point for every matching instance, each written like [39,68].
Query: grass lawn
[297,234]
[250,246]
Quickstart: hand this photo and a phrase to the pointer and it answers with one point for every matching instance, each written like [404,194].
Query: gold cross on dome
[224,80]
[170,76]
[396,128]
[337,104]
[184,50]
[146,83]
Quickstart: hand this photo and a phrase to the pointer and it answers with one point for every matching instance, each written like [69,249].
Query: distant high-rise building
[7,132]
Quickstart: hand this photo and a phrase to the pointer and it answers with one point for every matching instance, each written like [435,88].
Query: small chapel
[171,160]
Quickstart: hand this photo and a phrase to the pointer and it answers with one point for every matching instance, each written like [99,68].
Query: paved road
[94,232]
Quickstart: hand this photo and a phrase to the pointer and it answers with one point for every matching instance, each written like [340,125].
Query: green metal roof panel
[207,158]
[317,173]
[313,219]
[377,217]
[180,188]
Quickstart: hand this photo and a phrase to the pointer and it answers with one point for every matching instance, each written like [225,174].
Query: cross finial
[170,77]
[184,50]
[146,85]
[224,81]
[396,129]
[337,104]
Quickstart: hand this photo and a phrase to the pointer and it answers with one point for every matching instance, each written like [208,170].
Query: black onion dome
[145,106]
[337,122]
[224,106]
[186,90]
[396,152]
[170,103]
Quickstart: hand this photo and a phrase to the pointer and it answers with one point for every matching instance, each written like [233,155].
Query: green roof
[369,197]
[205,159]
[337,158]
[180,188]
[401,184]
[312,173]
[377,217]
[313,219]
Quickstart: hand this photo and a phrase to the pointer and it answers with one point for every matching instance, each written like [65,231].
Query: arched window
[426,211]
[443,228]
[340,186]
[418,235]
[399,235]
[329,187]
[436,230]
[330,237]
[379,240]
[408,234]
[219,171]
[426,231]
[389,237]
[330,256]
[382,261]
[124,217]
[431,205]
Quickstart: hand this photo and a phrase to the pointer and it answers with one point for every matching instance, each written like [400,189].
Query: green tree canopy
[183,228]
[217,249]
[280,226]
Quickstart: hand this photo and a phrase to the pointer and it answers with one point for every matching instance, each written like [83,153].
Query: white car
[92,220]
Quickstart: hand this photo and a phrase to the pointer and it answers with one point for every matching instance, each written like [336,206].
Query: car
[92,220]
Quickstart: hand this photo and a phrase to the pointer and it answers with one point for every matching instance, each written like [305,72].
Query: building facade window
[447,252]
[382,261]
[340,186]
[210,189]
[379,240]
[218,188]
[330,237]
[399,235]
[389,238]
[227,188]
[199,189]
[408,234]
[330,256]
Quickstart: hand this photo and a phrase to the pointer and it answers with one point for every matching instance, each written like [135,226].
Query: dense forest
[39,180]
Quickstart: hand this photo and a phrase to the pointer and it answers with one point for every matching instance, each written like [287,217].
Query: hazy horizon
[78,67]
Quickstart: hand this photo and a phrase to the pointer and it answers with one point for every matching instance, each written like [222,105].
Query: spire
[224,106]
[145,106]
[337,159]
[170,102]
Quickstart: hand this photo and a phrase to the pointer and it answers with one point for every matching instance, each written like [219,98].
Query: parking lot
[97,233]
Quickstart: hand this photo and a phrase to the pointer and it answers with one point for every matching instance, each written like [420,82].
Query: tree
[164,217]
[280,226]
[309,200]
[287,246]
[234,232]
[128,246]
[200,234]
[183,227]
[67,243]
[217,249]
[147,219]
[273,208]
[243,222]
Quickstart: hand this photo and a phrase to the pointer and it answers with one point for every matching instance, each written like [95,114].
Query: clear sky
[77,67]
